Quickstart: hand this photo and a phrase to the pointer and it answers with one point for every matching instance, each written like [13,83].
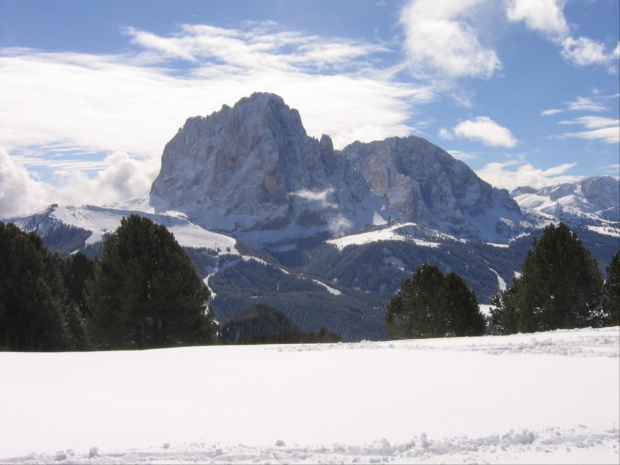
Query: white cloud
[599,128]
[124,103]
[120,177]
[462,155]
[512,174]
[593,122]
[609,135]
[320,197]
[547,18]
[258,45]
[487,131]
[445,133]
[581,104]
[544,16]
[18,191]
[439,41]
[551,111]
[584,52]
[585,104]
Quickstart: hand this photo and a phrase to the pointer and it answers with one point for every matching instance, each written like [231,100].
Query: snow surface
[103,220]
[392,233]
[610,230]
[330,289]
[500,281]
[528,398]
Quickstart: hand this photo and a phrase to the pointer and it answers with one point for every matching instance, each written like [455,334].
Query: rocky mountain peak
[240,168]
[252,167]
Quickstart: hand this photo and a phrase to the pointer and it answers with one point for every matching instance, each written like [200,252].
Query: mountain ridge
[253,168]
[596,199]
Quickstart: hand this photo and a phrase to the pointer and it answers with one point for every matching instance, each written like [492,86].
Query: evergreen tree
[434,305]
[78,268]
[505,314]
[33,305]
[145,291]
[611,297]
[561,287]
[463,313]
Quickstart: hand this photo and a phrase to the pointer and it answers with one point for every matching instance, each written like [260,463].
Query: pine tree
[434,305]
[465,318]
[33,303]
[145,291]
[611,298]
[77,269]
[561,287]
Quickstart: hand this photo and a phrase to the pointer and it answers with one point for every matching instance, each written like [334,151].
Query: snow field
[535,398]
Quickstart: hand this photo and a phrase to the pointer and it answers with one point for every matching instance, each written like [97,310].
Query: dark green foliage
[611,297]
[261,324]
[145,291]
[78,268]
[463,315]
[35,314]
[432,304]
[561,287]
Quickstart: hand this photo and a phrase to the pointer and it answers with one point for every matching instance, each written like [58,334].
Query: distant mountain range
[272,216]
[597,199]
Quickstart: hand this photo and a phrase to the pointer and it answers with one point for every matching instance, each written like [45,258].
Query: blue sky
[525,92]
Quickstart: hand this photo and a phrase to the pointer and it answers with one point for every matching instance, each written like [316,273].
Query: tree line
[144,293]
[561,287]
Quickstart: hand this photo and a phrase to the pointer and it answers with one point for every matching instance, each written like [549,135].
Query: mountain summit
[253,168]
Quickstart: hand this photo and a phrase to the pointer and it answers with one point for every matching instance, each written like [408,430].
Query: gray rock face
[253,168]
[429,187]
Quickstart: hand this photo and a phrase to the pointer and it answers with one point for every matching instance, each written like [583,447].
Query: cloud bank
[120,177]
[515,173]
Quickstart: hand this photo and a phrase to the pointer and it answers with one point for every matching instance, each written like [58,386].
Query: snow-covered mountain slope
[595,201]
[100,221]
[528,398]
[253,168]
[236,274]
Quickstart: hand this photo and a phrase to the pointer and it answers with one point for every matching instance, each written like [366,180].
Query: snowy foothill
[527,398]
[105,220]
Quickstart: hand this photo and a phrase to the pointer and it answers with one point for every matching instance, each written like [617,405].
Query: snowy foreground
[536,398]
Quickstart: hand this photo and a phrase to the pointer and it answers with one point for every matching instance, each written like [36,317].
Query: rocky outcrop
[253,168]
[429,187]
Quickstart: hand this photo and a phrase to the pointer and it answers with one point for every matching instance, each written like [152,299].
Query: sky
[526,92]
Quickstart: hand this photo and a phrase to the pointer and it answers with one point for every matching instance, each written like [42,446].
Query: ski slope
[532,398]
